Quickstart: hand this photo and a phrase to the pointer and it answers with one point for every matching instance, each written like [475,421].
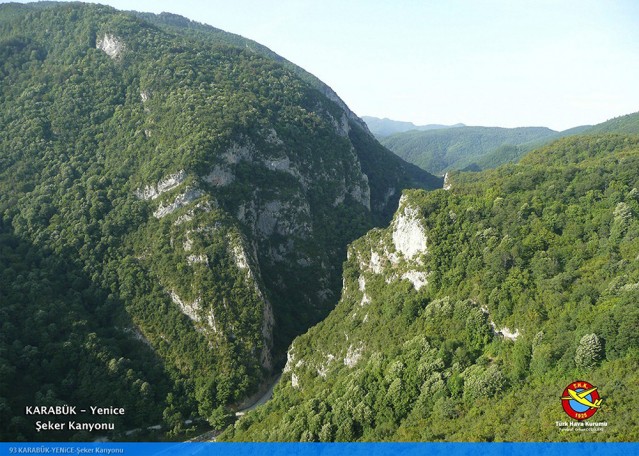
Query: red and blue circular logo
[580,400]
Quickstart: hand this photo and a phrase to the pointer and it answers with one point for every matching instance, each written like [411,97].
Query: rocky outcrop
[447,184]
[151,192]
[190,309]
[504,332]
[353,355]
[417,278]
[181,200]
[409,236]
[111,45]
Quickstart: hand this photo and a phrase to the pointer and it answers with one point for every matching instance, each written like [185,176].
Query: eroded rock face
[190,309]
[151,192]
[409,235]
[447,184]
[353,355]
[417,278]
[111,45]
[181,200]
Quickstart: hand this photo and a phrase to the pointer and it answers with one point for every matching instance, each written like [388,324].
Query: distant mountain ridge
[385,127]
[471,148]
[627,124]
[449,149]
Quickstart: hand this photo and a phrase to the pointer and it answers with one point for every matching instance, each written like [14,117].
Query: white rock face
[151,192]
[353,355]
[295,383]
[504,332]
[219,177]
[137,334]
[362,283]
[183,199]
[409,235]
[508,334]
[188,242]
[204,206]
[376,263]
[322,370]
[284,164]
[290,359]
[171,181]
[417,278]
[240,258]
[111,45]
[447,184]
[189,309]
[147,193]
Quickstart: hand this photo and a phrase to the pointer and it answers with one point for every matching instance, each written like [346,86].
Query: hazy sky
[556,63]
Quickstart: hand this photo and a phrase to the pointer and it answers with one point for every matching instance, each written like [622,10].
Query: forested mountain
[477,148]
[439,151]
[384,127]
[628,124]
[175,207]
[466,318]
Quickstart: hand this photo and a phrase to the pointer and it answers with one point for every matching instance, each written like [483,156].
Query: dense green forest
[456,148]
[466,318]
[628,124]
[476,148]
[175,207]
[176,204]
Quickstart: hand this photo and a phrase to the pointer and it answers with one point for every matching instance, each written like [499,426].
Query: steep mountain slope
[512,154]
[466,318]
[198,196]
[385,127]
[628,124]
[477,148]
[448,149]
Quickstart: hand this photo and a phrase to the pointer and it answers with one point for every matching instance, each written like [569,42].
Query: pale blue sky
[556,63]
